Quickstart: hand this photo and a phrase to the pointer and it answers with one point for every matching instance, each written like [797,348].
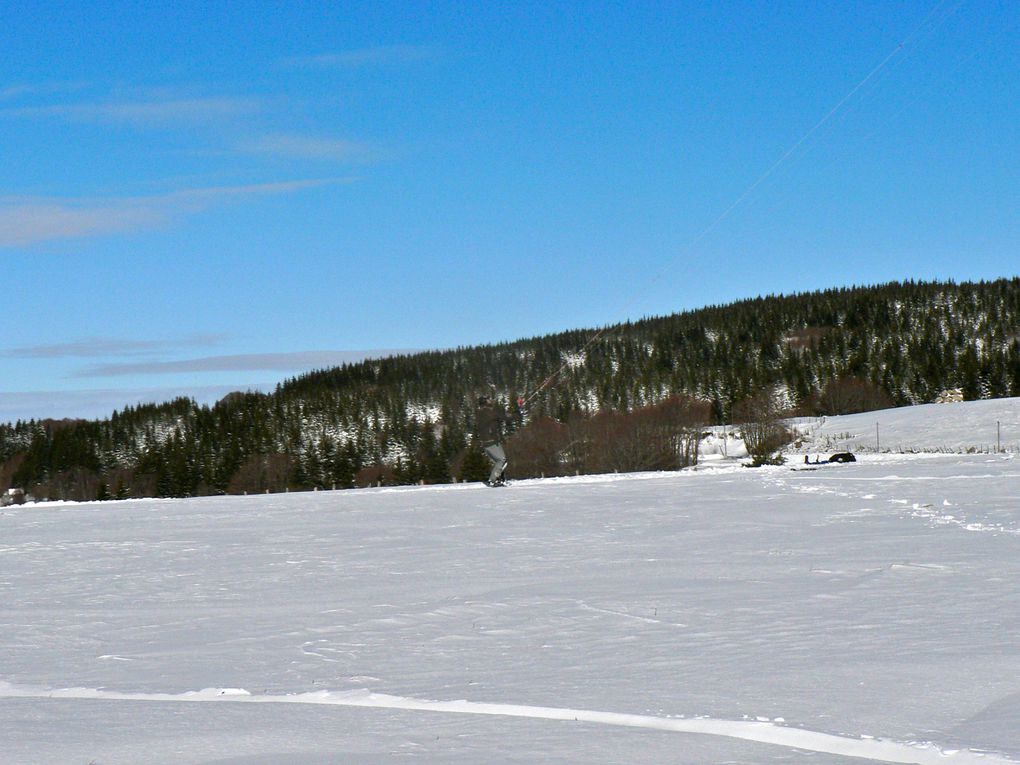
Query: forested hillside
[626,400]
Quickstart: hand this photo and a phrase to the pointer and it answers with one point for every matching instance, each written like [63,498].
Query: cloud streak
[99,347]
[31,220]
[24,89]
[247,362]
[144,113]
[28,221]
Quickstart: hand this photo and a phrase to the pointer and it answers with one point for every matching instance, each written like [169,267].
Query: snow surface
[831,614]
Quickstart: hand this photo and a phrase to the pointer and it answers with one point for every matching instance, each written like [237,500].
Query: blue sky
[199,197]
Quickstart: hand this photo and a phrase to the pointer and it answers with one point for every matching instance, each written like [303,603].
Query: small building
[950,396]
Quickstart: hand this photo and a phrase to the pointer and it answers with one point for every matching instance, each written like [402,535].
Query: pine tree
[475,466]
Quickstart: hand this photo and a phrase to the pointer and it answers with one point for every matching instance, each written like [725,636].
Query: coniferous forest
[633,398]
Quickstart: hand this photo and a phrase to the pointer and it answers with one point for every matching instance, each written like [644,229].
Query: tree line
[630,400]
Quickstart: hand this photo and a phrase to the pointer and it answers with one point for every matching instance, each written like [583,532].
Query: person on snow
[489,423]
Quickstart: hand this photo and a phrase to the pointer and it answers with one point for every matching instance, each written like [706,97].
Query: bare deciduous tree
[537,449]
[664,436]
[760,418]
[263,472]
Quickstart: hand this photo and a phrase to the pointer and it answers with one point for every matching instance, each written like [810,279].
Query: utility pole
[998,435]
[878,443]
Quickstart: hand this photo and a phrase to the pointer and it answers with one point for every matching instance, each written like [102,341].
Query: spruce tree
[475,466]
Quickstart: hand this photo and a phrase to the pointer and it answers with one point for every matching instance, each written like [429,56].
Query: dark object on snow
[843,457]
[489,423]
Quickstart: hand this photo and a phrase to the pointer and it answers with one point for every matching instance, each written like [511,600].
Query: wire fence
[987,439]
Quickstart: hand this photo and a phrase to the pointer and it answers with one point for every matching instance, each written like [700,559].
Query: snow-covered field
[974,426]
[844,614]
[971,427]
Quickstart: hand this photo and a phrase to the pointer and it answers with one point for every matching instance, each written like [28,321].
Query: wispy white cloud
[246,362]
[31,220]
[310,147]
[98,347]
[28,221]
[380,55]
[14,91]
[152,113]
[250,189]
[26,89]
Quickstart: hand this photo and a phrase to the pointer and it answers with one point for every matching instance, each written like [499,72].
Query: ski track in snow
[624,615]
[922,510]
[761,731]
